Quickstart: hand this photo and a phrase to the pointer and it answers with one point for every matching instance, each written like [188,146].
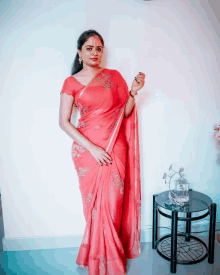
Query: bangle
[131,94]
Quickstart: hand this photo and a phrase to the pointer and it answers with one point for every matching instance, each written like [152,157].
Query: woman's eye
[91,48]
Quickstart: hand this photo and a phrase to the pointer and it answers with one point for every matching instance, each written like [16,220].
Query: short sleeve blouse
[70,87]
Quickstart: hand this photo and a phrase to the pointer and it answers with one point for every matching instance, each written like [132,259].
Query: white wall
[175,43]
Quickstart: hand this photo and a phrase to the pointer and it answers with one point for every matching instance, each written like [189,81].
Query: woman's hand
[100,155]
[138,83]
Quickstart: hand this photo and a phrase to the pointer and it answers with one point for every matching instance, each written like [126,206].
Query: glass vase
[181,190]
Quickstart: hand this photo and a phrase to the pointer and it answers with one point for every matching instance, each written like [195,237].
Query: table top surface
[197,202]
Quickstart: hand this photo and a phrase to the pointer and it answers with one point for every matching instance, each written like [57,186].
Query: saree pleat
[111,194]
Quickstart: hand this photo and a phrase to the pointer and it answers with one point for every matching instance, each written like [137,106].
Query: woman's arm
[137,84]
[129,106]
[66,105]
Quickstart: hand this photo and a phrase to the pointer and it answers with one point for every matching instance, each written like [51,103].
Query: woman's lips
[94,59]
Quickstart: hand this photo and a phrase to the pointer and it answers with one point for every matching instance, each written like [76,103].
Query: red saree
[111,194]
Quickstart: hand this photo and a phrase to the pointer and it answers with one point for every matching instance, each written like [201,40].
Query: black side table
[183,248]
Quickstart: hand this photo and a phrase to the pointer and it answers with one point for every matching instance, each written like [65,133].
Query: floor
[62,262]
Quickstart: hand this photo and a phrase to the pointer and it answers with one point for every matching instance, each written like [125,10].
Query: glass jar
[181,190]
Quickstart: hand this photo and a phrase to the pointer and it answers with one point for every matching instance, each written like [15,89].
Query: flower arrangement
[180,195]
[216,138]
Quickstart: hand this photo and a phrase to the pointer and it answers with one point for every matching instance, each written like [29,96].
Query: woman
[105,152]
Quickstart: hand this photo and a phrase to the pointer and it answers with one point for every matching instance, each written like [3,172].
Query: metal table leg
[174,241]
[212,233]
[188,226]
[154,232]
[188,223]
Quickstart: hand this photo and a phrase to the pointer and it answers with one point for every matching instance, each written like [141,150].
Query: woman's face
[92,48]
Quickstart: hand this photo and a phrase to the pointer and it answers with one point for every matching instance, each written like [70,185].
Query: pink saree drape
[111,194]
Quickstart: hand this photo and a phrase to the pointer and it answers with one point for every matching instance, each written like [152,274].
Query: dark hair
[80,42]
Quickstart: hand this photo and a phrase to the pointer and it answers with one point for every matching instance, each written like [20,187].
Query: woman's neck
[89,71]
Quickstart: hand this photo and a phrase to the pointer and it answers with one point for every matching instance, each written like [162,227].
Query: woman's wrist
[131,94]
[90,146]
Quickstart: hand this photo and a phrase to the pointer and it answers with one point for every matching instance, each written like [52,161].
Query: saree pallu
[111,194]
